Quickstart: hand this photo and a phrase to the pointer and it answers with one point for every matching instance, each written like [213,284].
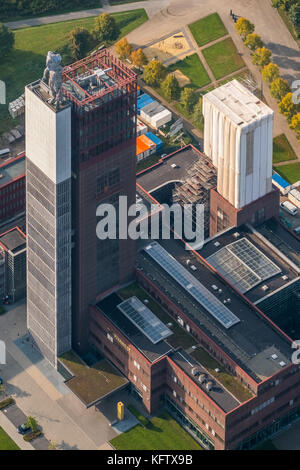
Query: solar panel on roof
[144,319]
[243,265]
[194,287]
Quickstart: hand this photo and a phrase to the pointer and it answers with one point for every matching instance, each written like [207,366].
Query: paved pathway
[151,7]
[62,417]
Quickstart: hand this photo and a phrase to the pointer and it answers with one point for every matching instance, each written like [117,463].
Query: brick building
[12,188]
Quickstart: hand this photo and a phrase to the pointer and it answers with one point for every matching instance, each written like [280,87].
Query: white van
[297,230]
[289,207]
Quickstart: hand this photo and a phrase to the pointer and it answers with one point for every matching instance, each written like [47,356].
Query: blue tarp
[143,100]
[156,140]
[279,180]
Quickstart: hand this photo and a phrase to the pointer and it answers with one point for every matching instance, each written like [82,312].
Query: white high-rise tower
[238,137]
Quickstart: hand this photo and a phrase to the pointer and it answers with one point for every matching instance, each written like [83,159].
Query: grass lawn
[179,338]
[162,433]
[91,383]
[282,149]
[6,443]
[193,68]
[208,29]
[223,58]
[290,172]
[96,4]
[228,380]
[27,60]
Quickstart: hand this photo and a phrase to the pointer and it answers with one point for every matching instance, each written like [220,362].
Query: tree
[138,58]
[253,41]
[279,88]
[270,72]
[244,27]
[287,107]
[197,115]
[171,88]
[123,48]
[154,72]
[7,40]
[80,42]
[295,123]
[261,56]
[188,99]
[32,423]
[294,14]
[106,28]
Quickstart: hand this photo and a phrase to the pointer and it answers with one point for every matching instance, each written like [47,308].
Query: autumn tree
[80,42]
[138,58]
[287,107]
[261,56]
[253,41]
[244,27]
[32,423]
[105,28]
[270,72]
[188,99]
[295,123]
[170,87]
[123,48]
[279,88]
[197,114]
[154,72]
[7,40]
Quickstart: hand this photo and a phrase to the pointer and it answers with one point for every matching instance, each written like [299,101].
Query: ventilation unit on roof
[265,287]
[236,235]
[209,385]
[202,378]
[284,277]
[196,371]
[282,363]
[274,356]
[217,244]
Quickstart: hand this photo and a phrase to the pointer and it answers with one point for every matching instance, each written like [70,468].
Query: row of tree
[279,88]
[9,8]
[292,8]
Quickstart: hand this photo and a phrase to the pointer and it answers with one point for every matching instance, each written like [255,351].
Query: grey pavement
[38,393]
[151,7]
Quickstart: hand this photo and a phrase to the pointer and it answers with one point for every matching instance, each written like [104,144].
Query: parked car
[289,207]
[1,381]
[23,429]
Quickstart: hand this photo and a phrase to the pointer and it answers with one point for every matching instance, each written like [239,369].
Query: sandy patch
[183,80]
[169,48]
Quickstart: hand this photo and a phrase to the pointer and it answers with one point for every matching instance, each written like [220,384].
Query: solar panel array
[243,265]
[194,287]
[144,319]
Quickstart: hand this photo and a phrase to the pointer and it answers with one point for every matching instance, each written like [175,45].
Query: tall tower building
[48,214]
[95,143]
[238,137]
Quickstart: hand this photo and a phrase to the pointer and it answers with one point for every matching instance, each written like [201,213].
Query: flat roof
[250,343]
[13,240]
[274,282]
[237,103]
[109,307]
[282,239]
[218,393]
[11,169]
[92,384]
[163,173]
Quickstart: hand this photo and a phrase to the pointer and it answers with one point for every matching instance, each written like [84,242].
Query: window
[222,220]
[137,365]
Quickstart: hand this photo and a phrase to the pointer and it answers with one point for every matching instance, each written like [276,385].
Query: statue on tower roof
[54,71]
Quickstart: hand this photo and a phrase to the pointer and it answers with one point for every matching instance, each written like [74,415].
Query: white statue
[54,70]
